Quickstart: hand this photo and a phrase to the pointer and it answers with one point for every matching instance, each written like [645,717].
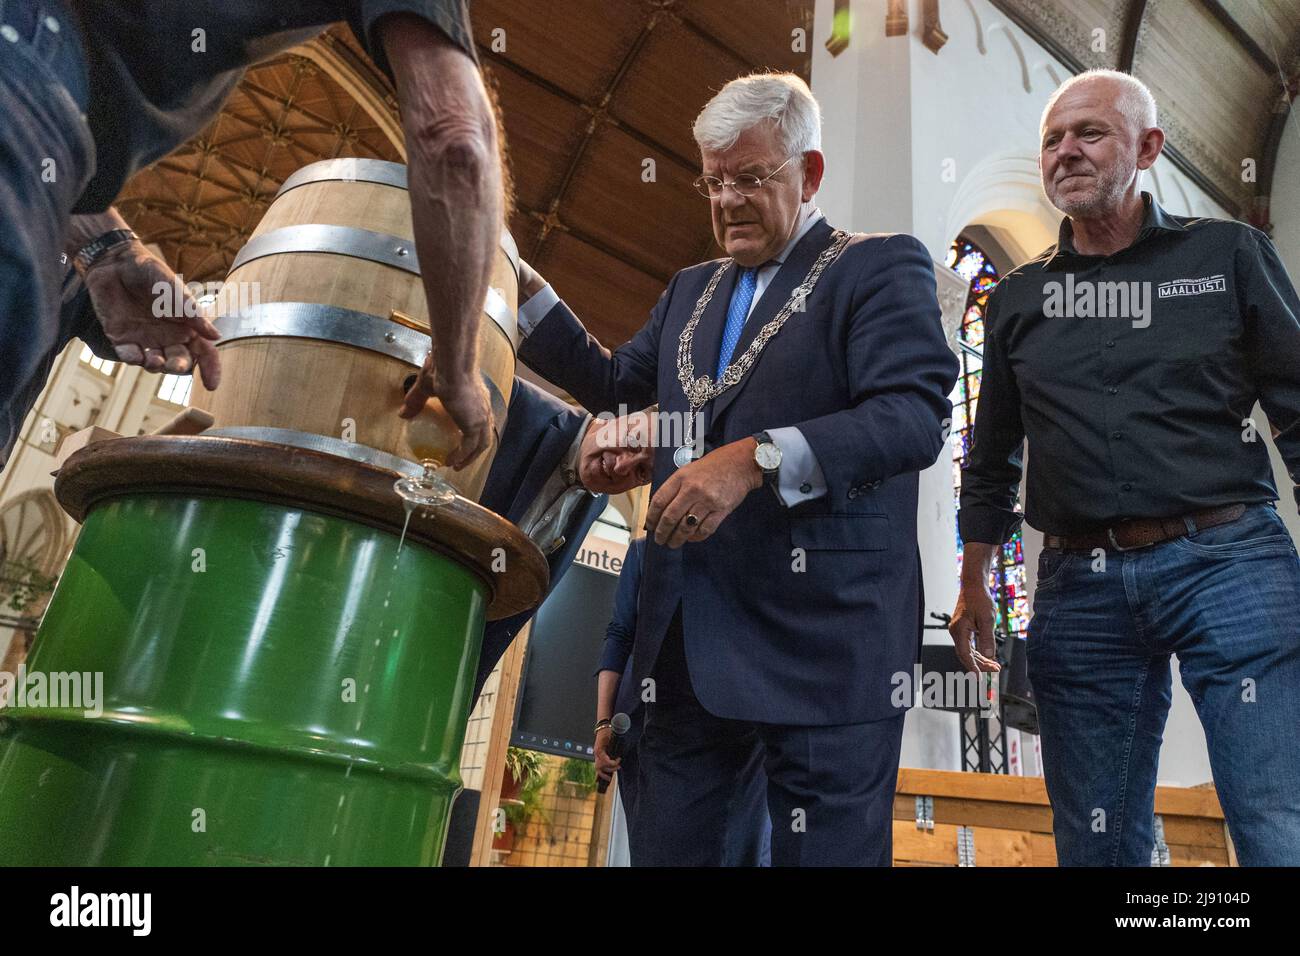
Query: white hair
[1135,101]
[749,100]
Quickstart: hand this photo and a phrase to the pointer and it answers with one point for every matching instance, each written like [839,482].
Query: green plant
[580,773]
[25,583]
[523,765]
[529,806]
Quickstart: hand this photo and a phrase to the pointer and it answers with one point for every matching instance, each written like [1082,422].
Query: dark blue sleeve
[622,628]
[449,16]
[498,634]
[77,317]
[900,371]
[561,350]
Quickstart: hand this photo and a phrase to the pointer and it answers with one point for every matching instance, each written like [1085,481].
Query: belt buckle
[1110,534]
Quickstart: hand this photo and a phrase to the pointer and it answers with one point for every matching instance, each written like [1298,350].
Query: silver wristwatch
[92,251]
[767,455]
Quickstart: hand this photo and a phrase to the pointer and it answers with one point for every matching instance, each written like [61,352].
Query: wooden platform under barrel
[324,319]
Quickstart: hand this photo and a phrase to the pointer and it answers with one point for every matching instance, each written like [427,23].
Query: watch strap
[92,251]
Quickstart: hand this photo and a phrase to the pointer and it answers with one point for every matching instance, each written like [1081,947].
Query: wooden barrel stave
[312,385]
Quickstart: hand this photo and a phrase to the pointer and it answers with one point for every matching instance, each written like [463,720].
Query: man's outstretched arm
[454,178]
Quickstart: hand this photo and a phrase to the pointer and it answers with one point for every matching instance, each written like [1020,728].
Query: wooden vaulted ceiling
[201,203]
[598,110]
[589,89]
[598,97]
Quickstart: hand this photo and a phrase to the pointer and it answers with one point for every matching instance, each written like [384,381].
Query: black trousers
[830,790]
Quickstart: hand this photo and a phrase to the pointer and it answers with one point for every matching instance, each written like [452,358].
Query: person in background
[1153,490]
[749,828]
[92,91]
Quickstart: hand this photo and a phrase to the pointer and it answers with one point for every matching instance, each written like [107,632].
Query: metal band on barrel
[331,323]
[498,311]
[348,170]
[322,443]
[338,240]
[511,249]
[380,172]
[371,246]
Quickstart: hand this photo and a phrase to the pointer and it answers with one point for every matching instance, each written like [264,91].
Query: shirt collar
[812,215]
[1155,219]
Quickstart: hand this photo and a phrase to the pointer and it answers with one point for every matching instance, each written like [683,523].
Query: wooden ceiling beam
[598,113]
[1128,43]
[590,240]
[1241,37]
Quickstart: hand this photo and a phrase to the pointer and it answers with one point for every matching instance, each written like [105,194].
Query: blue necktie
[737,312]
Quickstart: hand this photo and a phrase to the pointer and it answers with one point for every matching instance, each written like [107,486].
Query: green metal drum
[279,686]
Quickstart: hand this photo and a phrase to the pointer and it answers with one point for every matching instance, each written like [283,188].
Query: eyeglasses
[746,184]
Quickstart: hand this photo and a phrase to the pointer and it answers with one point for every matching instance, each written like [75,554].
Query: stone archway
[1004,193]
[33,546]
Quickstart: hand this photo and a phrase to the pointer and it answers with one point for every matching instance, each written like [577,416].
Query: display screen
[557,694]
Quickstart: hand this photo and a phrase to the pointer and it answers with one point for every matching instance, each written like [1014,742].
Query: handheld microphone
[620,724]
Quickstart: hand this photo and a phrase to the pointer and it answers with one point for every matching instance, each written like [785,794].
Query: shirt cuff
[535,309]
[978,523]
[800,477]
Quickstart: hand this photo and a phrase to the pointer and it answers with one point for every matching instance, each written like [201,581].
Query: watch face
[768,456]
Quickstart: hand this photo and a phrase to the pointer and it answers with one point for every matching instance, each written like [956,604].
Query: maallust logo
[1167,290]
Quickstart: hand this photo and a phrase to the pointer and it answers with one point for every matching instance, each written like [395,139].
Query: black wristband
[92,251]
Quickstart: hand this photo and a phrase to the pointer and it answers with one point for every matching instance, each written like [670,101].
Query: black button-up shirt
[1133,377]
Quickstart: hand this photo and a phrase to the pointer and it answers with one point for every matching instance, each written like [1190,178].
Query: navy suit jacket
[791,615]
[539,430]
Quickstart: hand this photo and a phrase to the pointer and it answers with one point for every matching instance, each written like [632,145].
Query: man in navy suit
[749,831]
[551,476]
[782,587]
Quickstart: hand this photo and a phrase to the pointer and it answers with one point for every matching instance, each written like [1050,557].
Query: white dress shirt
[800,476]
[549,514]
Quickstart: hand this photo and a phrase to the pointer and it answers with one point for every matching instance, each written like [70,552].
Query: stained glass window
[1007,580]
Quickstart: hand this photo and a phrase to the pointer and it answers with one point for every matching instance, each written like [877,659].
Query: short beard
[1105,196]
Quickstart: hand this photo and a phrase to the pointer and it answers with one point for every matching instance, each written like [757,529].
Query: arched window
[1008,577]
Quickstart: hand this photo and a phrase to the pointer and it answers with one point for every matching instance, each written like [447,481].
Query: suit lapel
[777,293]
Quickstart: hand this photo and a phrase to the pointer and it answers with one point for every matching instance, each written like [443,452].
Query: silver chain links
[704,389]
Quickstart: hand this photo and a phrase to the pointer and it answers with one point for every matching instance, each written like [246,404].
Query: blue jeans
[1226,601]
[46,158]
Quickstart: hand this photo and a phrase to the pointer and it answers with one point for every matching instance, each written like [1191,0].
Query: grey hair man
[1151,485]
[781,582]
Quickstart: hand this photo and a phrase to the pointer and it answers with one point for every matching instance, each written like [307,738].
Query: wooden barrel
[323,320]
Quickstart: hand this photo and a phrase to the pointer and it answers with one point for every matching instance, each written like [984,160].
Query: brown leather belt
[1144,532]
